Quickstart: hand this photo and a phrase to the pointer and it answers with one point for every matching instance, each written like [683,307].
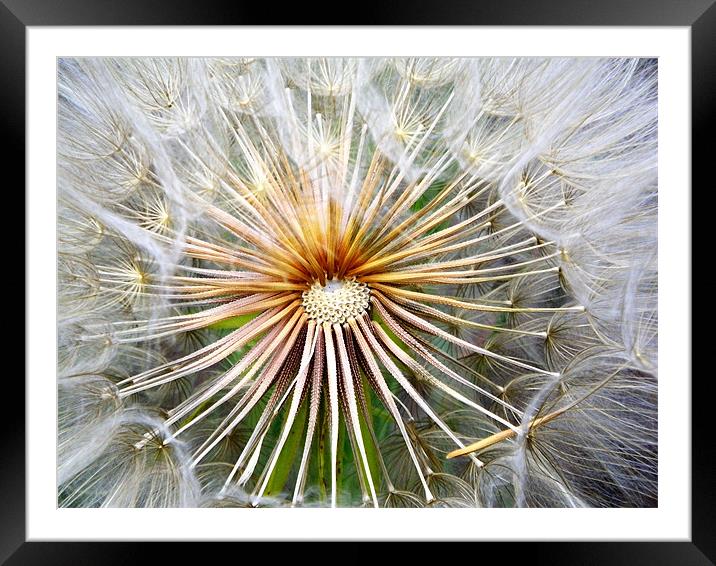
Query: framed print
[407,280]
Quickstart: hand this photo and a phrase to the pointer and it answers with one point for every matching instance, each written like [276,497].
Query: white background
[671,520]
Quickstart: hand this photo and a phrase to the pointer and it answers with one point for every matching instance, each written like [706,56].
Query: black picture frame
[17,15]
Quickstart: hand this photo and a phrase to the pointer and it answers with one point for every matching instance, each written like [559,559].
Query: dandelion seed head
[291,282]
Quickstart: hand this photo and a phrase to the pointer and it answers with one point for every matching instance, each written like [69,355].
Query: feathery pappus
[357,282]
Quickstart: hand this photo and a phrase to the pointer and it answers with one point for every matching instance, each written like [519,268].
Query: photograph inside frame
[339,282]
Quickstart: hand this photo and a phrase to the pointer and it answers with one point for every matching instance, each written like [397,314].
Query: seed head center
[337,301]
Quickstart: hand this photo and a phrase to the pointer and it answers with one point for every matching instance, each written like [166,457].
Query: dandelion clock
[391,282]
